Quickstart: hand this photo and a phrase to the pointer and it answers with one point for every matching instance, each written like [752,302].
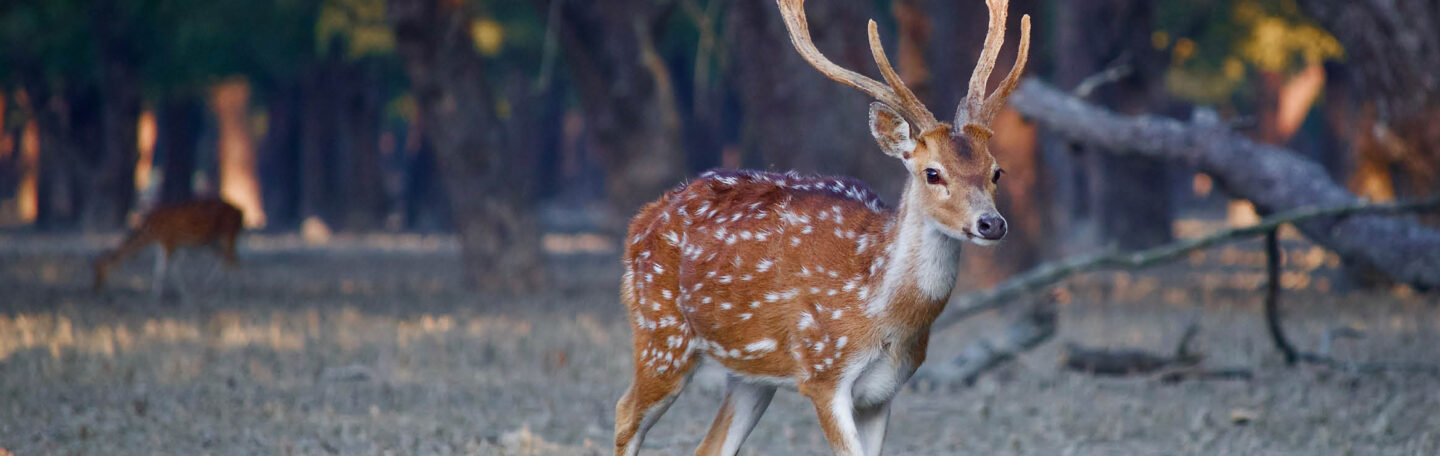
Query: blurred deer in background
[812,282]
[201,223]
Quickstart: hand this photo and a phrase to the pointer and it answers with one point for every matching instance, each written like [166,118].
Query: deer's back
[761,271]
[192,222]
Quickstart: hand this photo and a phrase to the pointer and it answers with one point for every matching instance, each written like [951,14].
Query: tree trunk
[181,120]
[365,194]
[236,150]
[68,122]
[1272,178]
[317,143]
[424,196]
[1124,201]
[499,232]
[628,97]
[280,163]
[111,189]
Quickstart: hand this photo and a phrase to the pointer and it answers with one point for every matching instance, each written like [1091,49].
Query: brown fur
[198,223]
[779,277]
[736,259]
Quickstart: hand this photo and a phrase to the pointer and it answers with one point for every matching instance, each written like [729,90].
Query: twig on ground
[1130,362]
[1180,374]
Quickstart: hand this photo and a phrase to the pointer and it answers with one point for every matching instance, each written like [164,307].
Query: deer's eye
[995,179]
[932,176]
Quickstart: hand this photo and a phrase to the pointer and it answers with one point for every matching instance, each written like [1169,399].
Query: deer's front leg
[836,409]
[871,422]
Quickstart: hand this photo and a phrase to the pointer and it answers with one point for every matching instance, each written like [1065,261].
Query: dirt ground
[370,346]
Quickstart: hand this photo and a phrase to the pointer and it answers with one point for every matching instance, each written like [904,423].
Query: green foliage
[1215,44]
[358,26]
[45,39]
[200,42]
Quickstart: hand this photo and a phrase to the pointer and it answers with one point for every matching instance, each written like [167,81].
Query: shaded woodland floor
[369,346]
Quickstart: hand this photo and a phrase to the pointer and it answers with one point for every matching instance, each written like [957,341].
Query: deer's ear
[891,131]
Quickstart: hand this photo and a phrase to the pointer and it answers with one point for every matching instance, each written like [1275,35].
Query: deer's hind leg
[664,362]
[162,266]
[744,403]
[653,389]
[227,249]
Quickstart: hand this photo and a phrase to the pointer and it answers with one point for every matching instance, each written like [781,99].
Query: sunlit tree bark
[230,101]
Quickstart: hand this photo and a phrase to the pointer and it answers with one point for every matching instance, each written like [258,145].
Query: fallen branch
[1272,178]
[1185,373]
[964,306]
[1129,361]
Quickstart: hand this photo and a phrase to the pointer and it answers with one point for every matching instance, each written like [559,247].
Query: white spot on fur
[763,345]
[764,265]
[806,321]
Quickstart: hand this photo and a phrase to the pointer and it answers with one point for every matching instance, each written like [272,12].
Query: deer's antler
[896,94]
[977,111]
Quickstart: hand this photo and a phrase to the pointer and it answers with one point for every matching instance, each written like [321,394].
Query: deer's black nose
[991,227]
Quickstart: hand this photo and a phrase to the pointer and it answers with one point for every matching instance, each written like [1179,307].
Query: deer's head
[952,174]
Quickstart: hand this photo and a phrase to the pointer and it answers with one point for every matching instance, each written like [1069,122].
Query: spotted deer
[198,223]
[812,282]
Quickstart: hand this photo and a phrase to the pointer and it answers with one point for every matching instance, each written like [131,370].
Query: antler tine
[911,104]
[996,101]
[793,11]
[979,110]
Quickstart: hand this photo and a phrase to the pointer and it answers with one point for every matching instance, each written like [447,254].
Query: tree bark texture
[498,229]
[1274,179]
[230,101]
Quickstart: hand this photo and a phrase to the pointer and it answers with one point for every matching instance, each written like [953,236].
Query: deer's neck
[917,270]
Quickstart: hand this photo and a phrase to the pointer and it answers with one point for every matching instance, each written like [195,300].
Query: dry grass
[368,346]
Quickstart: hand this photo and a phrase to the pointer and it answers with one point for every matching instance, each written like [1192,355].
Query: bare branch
[1294,355]
[1049,273]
